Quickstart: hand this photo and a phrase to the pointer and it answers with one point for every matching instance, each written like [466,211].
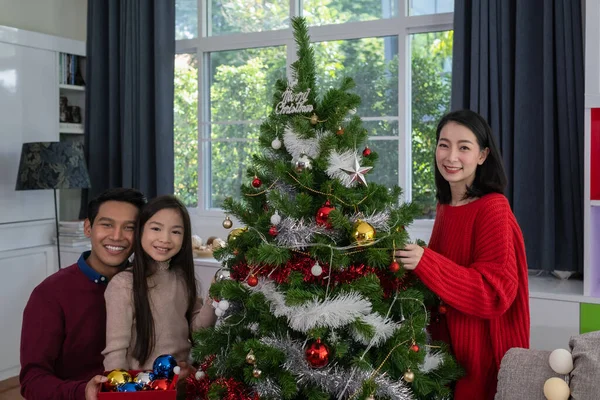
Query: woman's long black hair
[489,176]
[182,262]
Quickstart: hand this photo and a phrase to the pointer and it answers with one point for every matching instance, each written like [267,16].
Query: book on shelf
[70,67]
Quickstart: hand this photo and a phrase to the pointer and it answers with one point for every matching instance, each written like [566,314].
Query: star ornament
[356,172]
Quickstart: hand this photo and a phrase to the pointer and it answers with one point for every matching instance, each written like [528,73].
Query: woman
[475,261]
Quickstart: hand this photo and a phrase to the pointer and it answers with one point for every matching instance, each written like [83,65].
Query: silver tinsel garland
[293,233]
[333,379]
[267,389]
[378,220]
[298,146]
[335,312]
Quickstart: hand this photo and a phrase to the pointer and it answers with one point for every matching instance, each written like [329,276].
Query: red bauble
[160,384]
[252,281]
[322,216]
[317,354]
[256,182]
[415,348]
[394,266]
[340,131]
[367,151]
[273,231]
[442,309]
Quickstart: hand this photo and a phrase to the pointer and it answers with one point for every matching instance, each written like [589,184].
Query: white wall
[64,18]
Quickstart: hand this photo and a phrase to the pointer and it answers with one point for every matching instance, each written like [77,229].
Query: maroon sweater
[63,334]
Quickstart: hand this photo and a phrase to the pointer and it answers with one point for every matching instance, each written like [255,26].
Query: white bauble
[276,144]
[224,305]
[561,361]
[200,375]
[556,389]
[275,218]
[316,269]
[219,312]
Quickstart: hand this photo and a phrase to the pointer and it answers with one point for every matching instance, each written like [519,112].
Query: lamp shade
[52,165]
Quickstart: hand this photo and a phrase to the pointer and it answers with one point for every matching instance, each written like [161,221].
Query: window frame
[401,26]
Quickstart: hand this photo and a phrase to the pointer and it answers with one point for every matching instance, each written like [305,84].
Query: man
[64,322]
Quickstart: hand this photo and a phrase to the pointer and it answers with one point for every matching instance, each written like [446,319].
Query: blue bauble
[129,387]
[163,366]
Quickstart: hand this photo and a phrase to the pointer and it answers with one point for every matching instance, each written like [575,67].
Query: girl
[152,308]
[475,261]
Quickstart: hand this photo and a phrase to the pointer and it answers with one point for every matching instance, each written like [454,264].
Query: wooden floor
[9,389]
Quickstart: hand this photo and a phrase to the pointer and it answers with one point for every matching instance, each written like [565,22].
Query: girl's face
[163,235]
[458,154]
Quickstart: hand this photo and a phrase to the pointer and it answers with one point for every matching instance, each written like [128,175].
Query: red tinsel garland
[198,389]
[389,281]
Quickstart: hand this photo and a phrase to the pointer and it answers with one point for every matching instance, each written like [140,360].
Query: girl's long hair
[182,263]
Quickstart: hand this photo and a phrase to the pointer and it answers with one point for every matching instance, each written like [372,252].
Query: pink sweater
[168,302]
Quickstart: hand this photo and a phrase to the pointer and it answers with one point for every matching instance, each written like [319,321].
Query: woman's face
[163,235]
[458,154]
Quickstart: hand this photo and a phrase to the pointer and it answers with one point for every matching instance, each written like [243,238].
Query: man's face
[111,236]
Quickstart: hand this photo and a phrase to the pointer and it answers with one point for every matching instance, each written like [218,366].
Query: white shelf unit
[70,199]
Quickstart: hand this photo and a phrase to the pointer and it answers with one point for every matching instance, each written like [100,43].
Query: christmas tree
[311,302]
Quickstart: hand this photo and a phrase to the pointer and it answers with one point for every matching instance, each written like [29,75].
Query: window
[227,64]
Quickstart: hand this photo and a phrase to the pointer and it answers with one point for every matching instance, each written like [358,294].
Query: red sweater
[476,264]
[63,335]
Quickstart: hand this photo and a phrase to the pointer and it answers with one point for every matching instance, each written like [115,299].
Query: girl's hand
[410,256]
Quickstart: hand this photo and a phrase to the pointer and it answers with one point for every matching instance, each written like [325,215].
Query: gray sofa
[523,372]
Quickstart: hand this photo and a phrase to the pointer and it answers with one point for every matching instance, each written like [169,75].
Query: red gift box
[170,394]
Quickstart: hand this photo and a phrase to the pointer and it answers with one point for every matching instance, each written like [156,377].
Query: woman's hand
[410,256]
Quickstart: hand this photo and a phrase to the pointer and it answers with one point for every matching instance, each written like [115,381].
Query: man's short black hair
[131,196]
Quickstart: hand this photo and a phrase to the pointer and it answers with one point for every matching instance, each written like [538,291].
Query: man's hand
[93,387]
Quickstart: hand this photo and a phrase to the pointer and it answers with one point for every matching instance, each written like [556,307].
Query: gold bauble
[409,376]
[235,233]
[371,397]
[363,232]
[256,373]
[251,358]
[314,119]
[227,223]
[116,377]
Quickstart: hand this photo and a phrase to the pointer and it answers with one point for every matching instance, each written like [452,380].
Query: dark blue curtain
[129,95]
[520,65]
